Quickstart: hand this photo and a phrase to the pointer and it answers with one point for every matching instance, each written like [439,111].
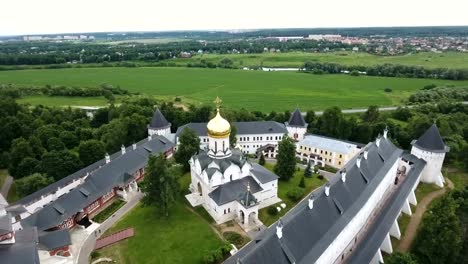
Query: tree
[189,145]
[55,144]
[160,184]
[286,158]
[20,150]
[439,239]
[308,171]
[59,164]
[69,139]
[27,167]
[232,136]
[91,151]
[30,184]
[261,160]
[302,183]
[332,123]
[372,114]
[400,258]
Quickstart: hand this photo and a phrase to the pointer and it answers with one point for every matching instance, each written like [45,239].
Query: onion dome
[218,127]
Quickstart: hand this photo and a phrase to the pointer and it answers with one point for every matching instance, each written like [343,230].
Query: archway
[199,189]
[252,218]
[242,217]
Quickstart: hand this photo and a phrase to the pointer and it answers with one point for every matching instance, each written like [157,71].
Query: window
[321,152]
[223,145]
[326,152]
[224,211]
[229,210]
[341,156]
[339,162]
[216,146]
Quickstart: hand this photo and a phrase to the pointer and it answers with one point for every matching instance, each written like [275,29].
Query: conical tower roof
[431,141]
[159,121]
[297,119]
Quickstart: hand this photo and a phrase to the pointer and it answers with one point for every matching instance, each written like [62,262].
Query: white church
[226,183]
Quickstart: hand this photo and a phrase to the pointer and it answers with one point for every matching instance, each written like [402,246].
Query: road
[6,186]
[88,246]
[362,110]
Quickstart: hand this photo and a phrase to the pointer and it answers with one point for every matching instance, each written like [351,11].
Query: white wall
[251,142]
[338,246]
[300,131]
[432,171]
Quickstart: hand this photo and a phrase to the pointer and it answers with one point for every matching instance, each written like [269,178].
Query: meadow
[253,90]
[456,60]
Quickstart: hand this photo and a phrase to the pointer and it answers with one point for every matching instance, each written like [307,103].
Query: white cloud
[59,16]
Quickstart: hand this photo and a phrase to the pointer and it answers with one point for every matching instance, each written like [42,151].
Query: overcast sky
[19,17]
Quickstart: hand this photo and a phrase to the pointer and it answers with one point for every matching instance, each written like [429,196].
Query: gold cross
[218,102]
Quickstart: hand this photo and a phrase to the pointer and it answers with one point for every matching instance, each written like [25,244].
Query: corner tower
[431,148]
[219,130]
[296,126]
[159,125]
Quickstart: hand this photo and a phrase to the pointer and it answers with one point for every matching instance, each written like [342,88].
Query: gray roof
[236,158]
[15,210]
[308,232]
[5,224]
[243,128]
[159,121]
[116,173]
[431,141]
[24,250]
[296,119]
[262,174]
[247,199]
[234,190]
[377,232]
[54,239]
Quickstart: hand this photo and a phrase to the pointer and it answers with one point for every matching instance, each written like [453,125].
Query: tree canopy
[189,144]
[286,158]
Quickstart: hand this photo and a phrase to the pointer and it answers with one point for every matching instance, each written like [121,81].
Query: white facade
[432,172]
[159,131]
[296,133]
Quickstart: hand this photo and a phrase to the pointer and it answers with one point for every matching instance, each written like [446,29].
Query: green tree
[27,167]
[69,139]
[55,144]
[286,159]
[302,182]
[333,124]
[160,184]
[30,184]
[189,146]
[372,114]
[439,239]
[20,150]
[232,136]
[400,258]
[261,160]
[308,171]
[59,164]
[91,151]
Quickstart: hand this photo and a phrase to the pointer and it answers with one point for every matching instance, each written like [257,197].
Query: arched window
[216,146]
[224,147]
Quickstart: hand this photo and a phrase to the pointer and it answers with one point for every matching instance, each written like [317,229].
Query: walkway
[88,246]
[6,186]
[114,238]
[411,230]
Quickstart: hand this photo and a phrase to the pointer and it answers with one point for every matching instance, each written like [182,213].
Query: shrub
[354,73]
[261,160]
[295,194]
[302,183]
[234,238]
[217,255]
[388,90]
[429,86]
[272,210]
[320,177]
[95,255]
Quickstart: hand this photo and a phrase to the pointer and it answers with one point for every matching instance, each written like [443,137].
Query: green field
[297,59]
[64,101]
[253,90]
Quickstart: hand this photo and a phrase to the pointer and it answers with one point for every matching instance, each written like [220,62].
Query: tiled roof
[159,121]
[296,119]
[431,141]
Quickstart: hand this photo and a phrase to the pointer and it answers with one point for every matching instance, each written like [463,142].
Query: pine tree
[308,171]
[261,160]
[160,186]
[286,159]
[302,183]
[189,146]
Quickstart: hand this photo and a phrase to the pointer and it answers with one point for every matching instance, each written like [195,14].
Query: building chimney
[365,153]
[343,175]
[385,132]
[358,161]
[327,189]
[122,148]
[279,229]
[377,141]
[107,158]
[311,201]
[134,146]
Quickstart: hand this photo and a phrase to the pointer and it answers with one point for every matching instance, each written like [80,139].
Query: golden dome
[218,127]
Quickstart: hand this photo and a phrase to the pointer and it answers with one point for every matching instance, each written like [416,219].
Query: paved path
[411,230]
[362,110]
[88,246]
[6,186]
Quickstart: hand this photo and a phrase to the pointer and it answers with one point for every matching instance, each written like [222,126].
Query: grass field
[64,101]
[253,90]
[297,59]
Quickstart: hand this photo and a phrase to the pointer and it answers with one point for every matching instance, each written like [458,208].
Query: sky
[20,17]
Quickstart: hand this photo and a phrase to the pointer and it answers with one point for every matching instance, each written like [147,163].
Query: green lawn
[64,100]
[297,59]
[182,238]
[424,189]
[106,213]
[253,90]
[457,176]
[283,188]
